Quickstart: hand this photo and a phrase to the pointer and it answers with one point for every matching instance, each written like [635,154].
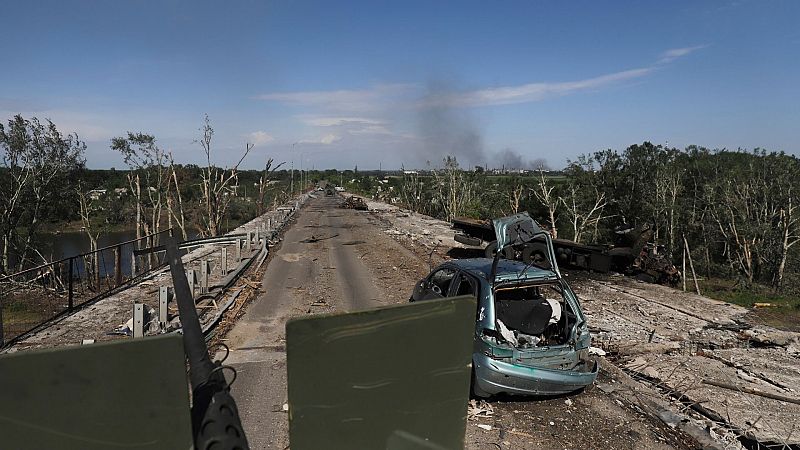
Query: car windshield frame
[521,229]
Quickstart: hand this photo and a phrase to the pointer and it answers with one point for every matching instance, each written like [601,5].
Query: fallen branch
[753,391]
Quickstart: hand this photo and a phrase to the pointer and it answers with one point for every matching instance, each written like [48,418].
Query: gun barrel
[194,344]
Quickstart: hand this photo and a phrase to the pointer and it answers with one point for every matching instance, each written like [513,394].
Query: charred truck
[632,254]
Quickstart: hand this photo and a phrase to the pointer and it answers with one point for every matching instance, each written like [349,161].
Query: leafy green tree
[37,162]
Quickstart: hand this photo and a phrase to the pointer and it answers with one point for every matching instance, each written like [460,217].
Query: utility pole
[302,185]
[292,171]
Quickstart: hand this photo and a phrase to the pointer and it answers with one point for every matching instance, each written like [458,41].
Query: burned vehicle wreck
[633,253]
[531,337]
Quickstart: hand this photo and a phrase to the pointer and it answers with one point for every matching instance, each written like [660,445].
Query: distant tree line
[737,210]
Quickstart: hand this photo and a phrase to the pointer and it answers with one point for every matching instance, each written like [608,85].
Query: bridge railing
[35,296]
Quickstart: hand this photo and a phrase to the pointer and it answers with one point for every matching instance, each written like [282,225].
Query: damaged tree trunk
[691,266]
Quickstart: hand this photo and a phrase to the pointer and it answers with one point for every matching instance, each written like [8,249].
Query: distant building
[95,194]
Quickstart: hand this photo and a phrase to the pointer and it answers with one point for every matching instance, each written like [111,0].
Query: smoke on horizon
[451,130]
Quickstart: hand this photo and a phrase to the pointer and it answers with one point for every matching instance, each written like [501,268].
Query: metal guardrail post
[204,276]
[118,265]
[248,241]
[190,278]
[238,251]
[138,320]
[223,266]
[70,294]
[163,301]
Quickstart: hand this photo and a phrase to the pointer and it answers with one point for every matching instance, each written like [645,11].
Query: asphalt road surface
[321,266]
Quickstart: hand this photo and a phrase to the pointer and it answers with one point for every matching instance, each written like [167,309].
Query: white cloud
[350,125]
[330,139]
[531,92]
[327,139]
[342,100]
[675,53]
[259,138]
[338,121]
[392,97]
[371,129]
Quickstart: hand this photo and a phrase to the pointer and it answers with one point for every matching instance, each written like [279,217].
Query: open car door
[521,230]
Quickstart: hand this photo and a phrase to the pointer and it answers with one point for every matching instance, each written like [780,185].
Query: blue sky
[339,84]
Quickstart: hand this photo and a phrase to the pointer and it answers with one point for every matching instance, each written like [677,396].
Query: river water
[70,243]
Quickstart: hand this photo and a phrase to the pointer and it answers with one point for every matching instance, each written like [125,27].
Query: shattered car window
[440,281]
[467,286]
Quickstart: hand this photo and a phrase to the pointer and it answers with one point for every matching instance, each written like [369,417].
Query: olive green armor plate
[130,394]
[395,377]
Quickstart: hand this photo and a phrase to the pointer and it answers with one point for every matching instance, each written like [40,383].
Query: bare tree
[412,192]
[264,182]
[148,164]
[789,227]
[515,197]
[455,191]
[544,193]
[744,211]
[175,200]
[583,216]
[85,208]
[219,185]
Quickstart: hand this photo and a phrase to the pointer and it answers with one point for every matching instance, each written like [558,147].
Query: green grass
[17,321]
[726,291]
[784,312]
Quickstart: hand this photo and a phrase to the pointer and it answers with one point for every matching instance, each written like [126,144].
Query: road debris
[478,409]
[354,202]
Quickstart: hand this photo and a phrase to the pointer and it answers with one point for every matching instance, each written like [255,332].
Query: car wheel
[491,249]
[535,254]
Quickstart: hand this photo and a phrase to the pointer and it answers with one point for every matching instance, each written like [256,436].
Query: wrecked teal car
[531,337]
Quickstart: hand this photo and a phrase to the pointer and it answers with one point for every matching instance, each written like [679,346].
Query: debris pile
[739,378]
[354,202]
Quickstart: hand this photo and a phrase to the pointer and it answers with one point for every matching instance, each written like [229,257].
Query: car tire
[536,254]
[491,249]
